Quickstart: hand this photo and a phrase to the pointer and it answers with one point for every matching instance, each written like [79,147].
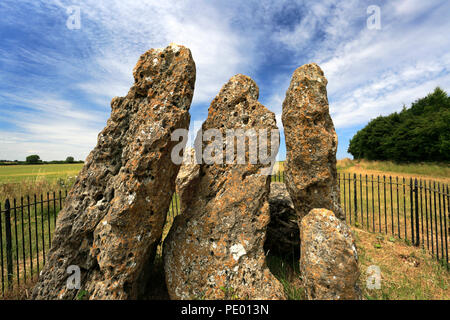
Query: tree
[420,133]
[33,159]
[70,160]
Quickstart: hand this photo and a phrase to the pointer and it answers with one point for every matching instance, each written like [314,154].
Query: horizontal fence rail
[410,209]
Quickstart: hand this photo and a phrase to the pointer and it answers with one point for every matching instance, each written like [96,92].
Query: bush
[420,133]
[33,159]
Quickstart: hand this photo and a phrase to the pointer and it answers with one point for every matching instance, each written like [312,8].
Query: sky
[58,73]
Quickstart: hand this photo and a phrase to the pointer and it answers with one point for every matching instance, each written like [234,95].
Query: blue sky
[56,83]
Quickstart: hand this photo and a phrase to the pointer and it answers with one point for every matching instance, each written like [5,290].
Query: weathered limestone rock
[114,214]
[329,261]
[187,178]
[283,235]
[215,247]
[311,143]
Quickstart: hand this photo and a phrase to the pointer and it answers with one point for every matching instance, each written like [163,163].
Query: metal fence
[26,228]
[414,210]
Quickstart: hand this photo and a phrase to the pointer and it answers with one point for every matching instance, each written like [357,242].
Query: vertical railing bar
[421,213]
[385,206]
[30,239]
[60,205]
[398,209]
[48,221]
[426,213]
[431,219]
[8,236]
[367,203]
[373,207]
[411,212]
[416,211]
[379,205]
[42,227]
[445,224]
[54,210]
[361,195]
[350,213]
[36,233]
[345,196]
[440,220]
[392,206]
[24,262]
[404,208]
[1,250]
[17,241]
[435,220]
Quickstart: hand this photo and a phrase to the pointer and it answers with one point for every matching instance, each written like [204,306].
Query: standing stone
[311,143]
[329,261]
[115,212]
[283,235]
[187,178]
[214,249]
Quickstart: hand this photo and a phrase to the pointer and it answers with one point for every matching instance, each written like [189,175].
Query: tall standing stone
[214,249]
[328,261]
[113,216]
[311,143]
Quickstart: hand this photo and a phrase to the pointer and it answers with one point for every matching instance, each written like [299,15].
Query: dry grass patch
[429,171]
[407,272]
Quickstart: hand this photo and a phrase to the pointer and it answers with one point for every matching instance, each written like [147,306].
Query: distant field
[19,173]
[434,171]
[21,180]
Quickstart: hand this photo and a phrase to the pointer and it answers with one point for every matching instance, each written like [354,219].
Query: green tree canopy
[70,160]
[420,133]
[34,158]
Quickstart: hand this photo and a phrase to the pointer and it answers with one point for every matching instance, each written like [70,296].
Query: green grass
[18,173]
[16,181]
[288,274]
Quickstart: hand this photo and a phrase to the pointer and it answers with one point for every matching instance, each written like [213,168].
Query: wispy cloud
[63,80]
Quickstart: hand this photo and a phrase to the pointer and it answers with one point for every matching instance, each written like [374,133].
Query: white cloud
[374,72]
[129,28]
[370,72]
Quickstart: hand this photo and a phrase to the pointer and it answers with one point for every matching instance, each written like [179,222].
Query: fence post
[355,199]
[9,259]
[416,209]
[411,209]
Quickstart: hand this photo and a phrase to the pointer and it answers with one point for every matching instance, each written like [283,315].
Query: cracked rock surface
[329,261]
[311,143]
[114,215]
[214,249]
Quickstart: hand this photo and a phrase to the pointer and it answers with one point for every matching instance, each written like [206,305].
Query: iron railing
[414,210]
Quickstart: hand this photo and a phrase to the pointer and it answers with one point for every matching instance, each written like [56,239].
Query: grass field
[407,272]
[27,180]
[434,171]
[48,172]
[377,210]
